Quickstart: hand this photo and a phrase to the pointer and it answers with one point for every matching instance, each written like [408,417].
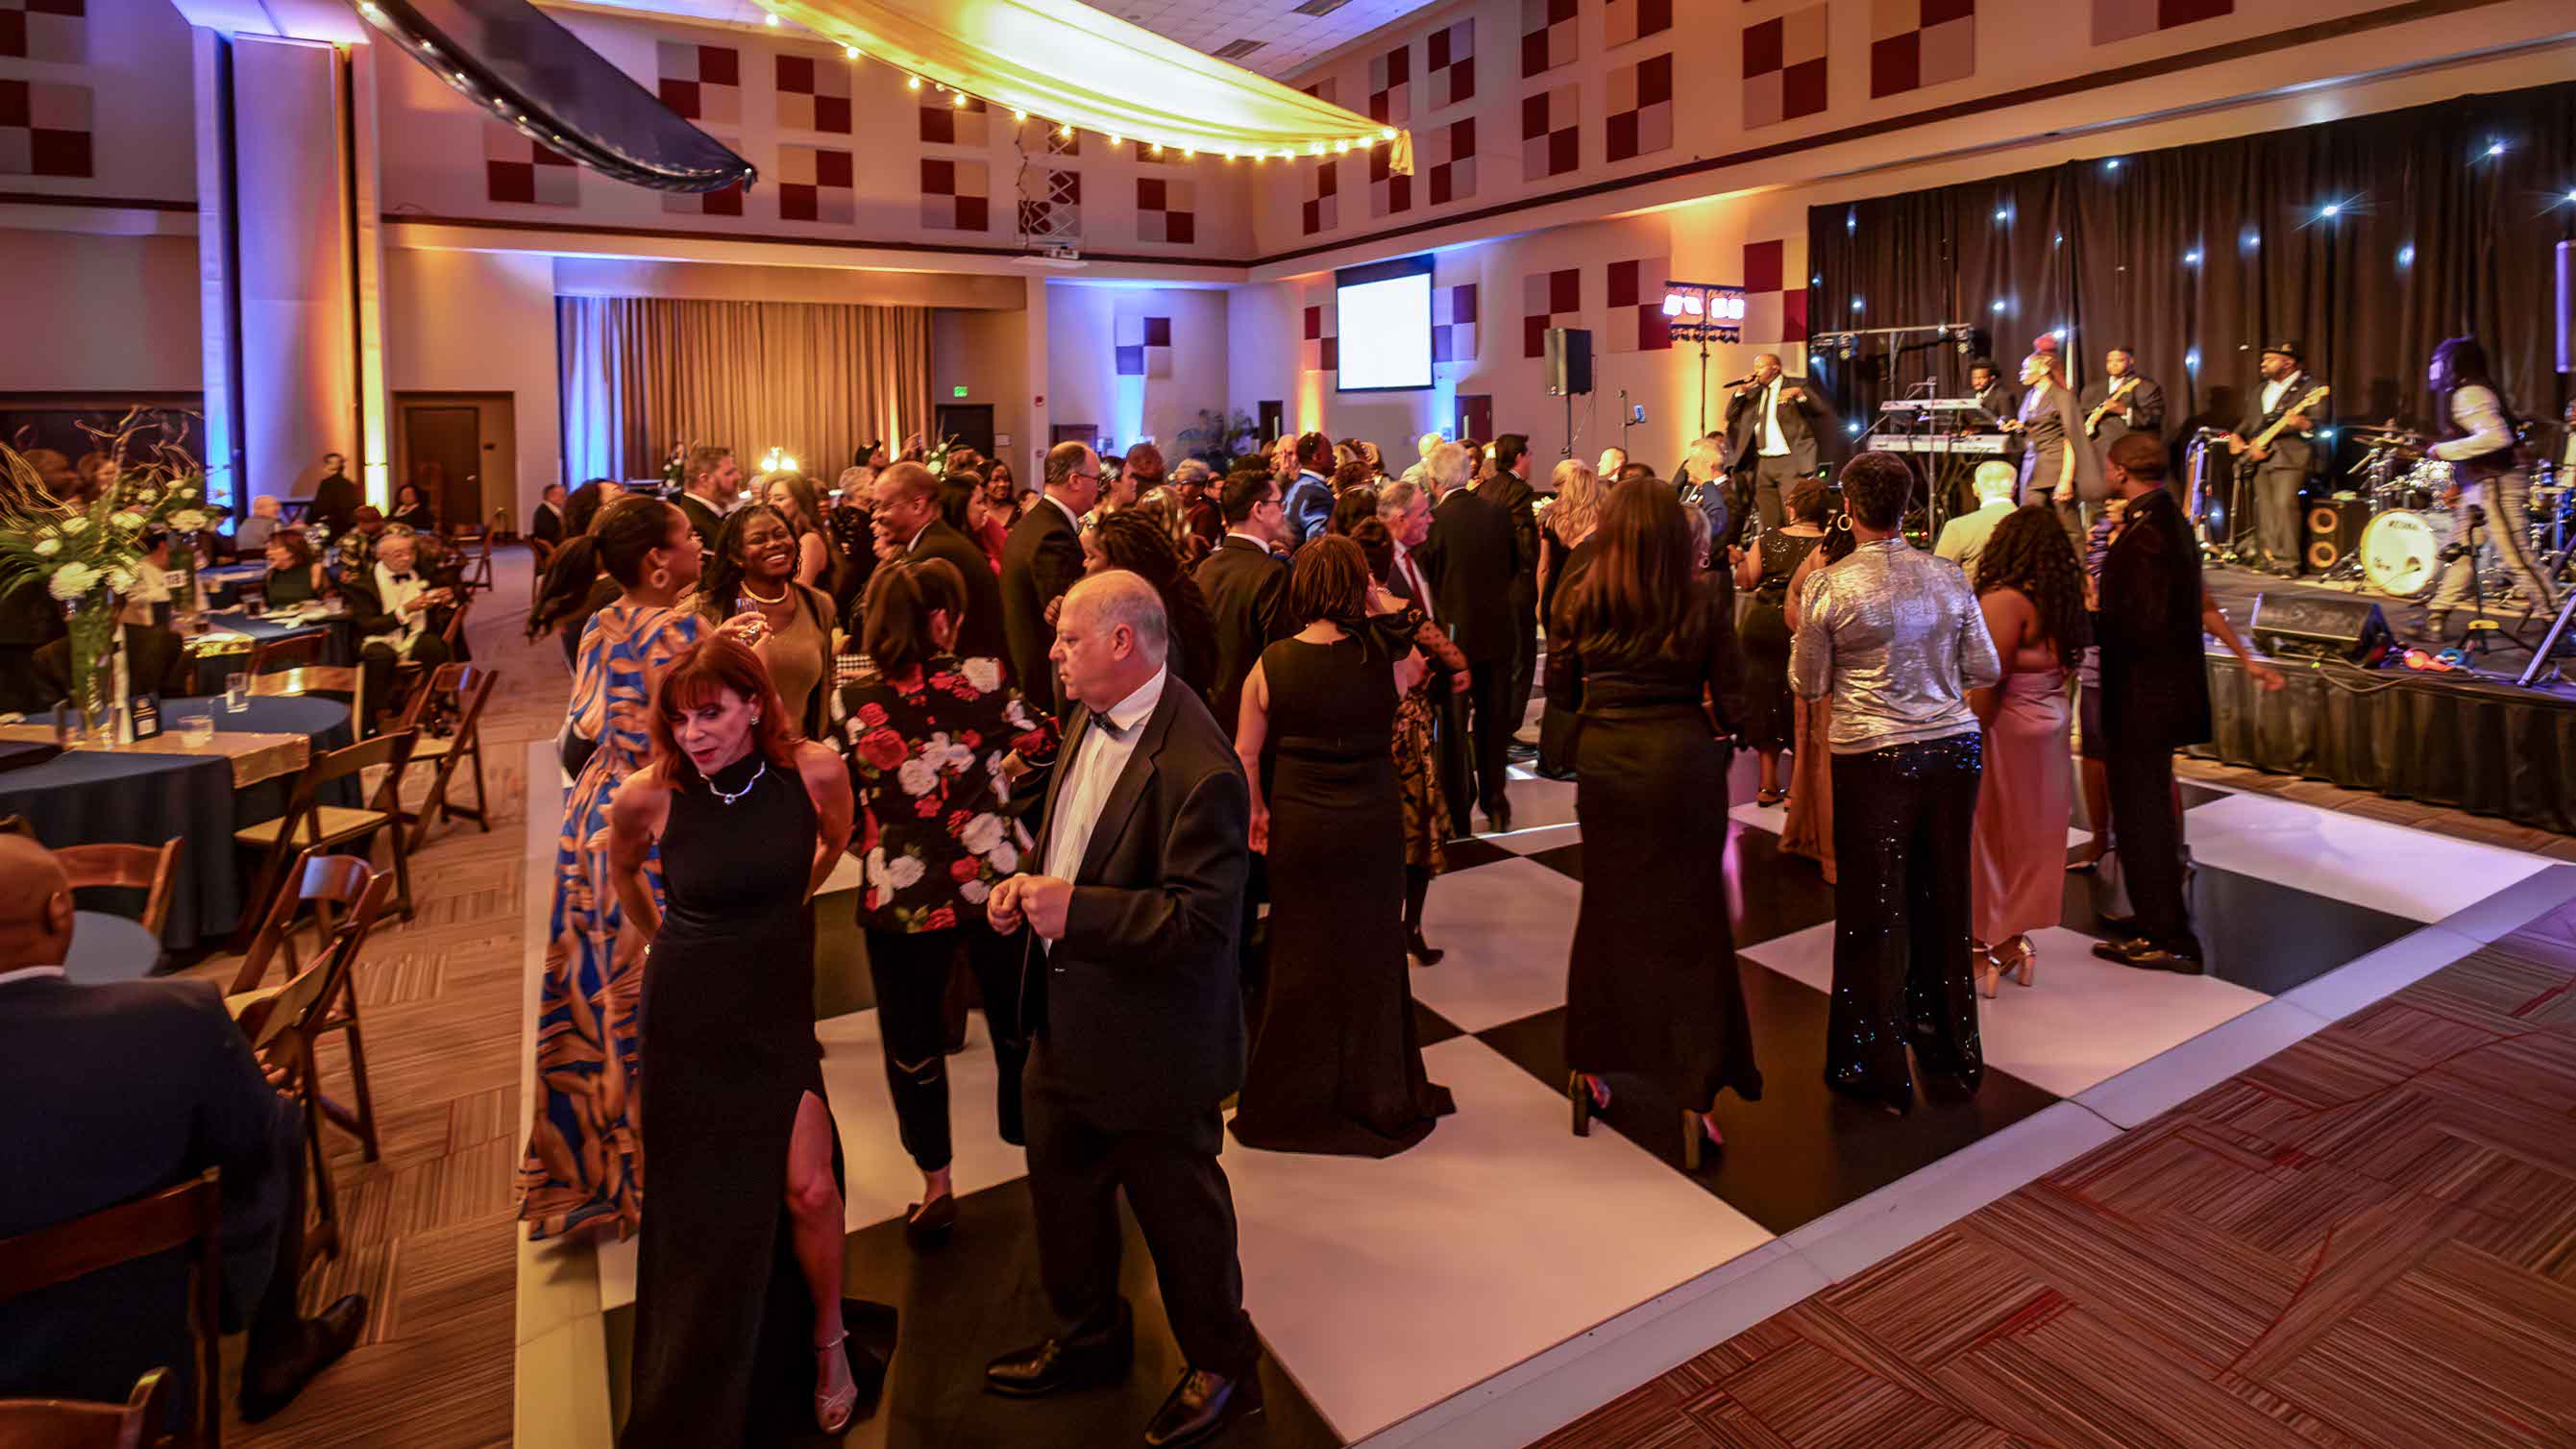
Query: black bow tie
[1113,728]
[402,578]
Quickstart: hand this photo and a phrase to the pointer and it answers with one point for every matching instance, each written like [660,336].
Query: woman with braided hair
[2031,590]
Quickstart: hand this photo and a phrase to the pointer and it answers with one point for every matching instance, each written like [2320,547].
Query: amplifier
[2320,626]
[2334,530]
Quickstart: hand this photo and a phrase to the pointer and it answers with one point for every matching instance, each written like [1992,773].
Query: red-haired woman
[736,1134]
[2058,465]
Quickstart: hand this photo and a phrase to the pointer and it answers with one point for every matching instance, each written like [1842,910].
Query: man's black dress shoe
[1201,1407]
[320,1340]
[1065,1363]
[2146,955]
[1499,822]
[2118,928]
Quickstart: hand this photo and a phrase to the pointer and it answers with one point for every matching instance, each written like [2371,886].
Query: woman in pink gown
[2031,588]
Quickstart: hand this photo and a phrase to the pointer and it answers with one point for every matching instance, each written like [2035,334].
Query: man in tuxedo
[546,524]
[1245,584]
[1308,497]
[2155,700]
[2280,470]
[907,523]
[1131,995]
[1471,566]
[1510,491]
[1040,560]
[1770,425]
[400,613]
[165,1088]
[2139,407]
[712,486]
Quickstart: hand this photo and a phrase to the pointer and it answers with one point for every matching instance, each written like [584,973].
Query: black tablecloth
[2488,748]
[88,797]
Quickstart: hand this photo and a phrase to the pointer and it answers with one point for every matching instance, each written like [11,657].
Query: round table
[109,948]
[223,583]
[89,797]
[338,644]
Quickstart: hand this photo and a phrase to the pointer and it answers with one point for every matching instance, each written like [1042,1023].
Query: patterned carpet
[430,1230]
[2367,1241]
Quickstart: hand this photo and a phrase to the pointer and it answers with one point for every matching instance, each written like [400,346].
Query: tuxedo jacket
[1247,589]
[704,521]
[1518,500]
[2155,678]
[1041,559]
[546,525]
[1141,1001]
[1471,560]
[114,1092]
[1797,426]
[980,634]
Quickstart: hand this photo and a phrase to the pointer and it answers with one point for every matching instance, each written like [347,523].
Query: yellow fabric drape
[1062,61]
[816,379]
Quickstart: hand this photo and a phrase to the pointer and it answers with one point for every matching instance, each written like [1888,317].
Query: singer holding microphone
[1771,429]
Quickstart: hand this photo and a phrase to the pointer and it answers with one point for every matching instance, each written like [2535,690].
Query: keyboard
[1988,445]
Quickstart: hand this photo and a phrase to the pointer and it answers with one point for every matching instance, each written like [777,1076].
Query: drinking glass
[254,606]
[198,730]
[236,692]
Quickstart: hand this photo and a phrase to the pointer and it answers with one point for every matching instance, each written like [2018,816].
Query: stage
[2472,739]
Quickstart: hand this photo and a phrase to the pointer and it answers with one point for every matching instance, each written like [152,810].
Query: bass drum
[2401,551]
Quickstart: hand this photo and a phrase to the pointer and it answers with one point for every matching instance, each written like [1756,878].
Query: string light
[1155,149]
[849,52]
[1019,115]
[1314,148]
[1386,135]
[1189,153]
[912,82]
[957,99]
[1341,145]
[1065,131]
[1113,141]
[771,20]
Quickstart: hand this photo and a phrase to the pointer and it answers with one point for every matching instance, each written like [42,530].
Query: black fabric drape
[2196,256]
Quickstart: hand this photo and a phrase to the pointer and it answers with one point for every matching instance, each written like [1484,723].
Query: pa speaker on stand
[1569,371]
[2335,528]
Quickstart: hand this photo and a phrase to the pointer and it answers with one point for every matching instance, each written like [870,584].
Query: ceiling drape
[818,380]
[1063,61]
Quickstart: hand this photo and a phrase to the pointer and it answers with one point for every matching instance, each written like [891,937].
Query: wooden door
[443,457]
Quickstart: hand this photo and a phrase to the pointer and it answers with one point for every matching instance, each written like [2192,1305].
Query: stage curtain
[2433,236]
[819,380]
[1063,61]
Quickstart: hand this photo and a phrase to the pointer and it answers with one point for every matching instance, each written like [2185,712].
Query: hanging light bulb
[1314,148]
[1019,115]
[1387,135]
[1189,153]
[1065,131]
[1154,150]
[1113,140]
[1341,146]
[771,20]
[1229,155]
[912,82]
[849,52]
[957,99]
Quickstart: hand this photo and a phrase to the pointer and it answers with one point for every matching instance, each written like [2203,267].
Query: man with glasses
[1041,560]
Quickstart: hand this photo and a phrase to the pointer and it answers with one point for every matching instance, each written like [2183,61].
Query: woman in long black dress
[1337,1068]
[1644,648]
[742,1251]
[1769,723]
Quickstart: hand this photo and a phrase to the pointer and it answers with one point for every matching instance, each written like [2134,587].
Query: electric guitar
[2093,420]
[2245,459]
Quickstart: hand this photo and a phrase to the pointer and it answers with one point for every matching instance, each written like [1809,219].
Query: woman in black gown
[741,1255]
[1336,1068]
[1768,721]
[1644,649]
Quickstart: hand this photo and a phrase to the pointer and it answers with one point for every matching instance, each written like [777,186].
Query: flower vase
[92,622]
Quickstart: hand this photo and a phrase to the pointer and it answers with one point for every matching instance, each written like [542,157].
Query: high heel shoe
[1423,951]
[1589,1095]
[833,1411]
[929,1223]
[2025,969]
[1698,1128]
[1989,971]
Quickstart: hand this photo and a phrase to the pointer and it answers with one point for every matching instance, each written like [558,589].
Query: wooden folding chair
[71,1424]
[478,572]
[147,868]
[308,824]
[345,894]
[271,655]
[471,685]
[189,1215]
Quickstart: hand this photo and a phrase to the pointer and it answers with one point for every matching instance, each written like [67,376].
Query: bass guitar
[2093,419]
[2245,451]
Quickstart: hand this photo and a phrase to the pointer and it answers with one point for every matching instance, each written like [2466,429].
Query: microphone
[1741,381]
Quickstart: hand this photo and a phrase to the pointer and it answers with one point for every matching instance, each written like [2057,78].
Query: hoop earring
[661,578]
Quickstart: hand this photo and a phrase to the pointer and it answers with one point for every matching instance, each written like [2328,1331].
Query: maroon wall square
[1565,290]
[1654,16]
[1442,191]
[1938,12]
[938,127]
[1462,80]
[1802,89]
[1462,139]
[796,203]
[727,202]
[1533,53]
[1793,316]
[1654,329]
[1559,11]
[1180,226]
[1399,193]
[1764,44]
[1314,220]
[1399,65]
[832,113]
[510,180]
[682,97]
[834,168]
[2170,13]
[1328,179]
[796,73]
[1436,49]
[1533,116]
[13,32]
[1564,151]
[1314,323]
[1763,262]
[1534,337]
[719,65]
[1332,353]
[1896,64]
[974,213]
[1381,163]
[1158,331]
[1620,136]
[1149,197]
[1622,285]
[1654,80]
[14,106]
[938,178]
[1462,303]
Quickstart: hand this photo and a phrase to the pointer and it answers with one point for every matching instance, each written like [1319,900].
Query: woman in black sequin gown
[738,1284]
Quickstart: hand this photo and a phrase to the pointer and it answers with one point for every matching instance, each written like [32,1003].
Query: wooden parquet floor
[2367,1241]
[430,1229]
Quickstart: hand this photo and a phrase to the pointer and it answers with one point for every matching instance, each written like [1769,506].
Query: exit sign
[958,391]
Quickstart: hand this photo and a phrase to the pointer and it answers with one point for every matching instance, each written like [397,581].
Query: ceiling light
[1113,140]
[849,52]
[957,98]
[770,19]
[1065,131]
[912,82]
[1019,115]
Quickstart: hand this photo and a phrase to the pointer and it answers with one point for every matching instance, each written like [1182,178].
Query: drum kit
[2410,539]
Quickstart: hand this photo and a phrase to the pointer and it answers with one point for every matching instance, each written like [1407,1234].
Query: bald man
[1771,429]
[1963,538]
[160,1086]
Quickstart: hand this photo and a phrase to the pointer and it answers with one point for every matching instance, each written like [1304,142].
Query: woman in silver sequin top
[1895,639]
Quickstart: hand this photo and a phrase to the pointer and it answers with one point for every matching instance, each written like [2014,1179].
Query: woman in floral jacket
[931,741]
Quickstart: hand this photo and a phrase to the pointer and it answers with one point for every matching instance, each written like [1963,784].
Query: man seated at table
[156,662]
[251,534]
[398,610]
[357,545]
[110,1093]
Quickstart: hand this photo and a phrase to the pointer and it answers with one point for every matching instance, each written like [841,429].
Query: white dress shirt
[1098,758]
[1414,581]
[393,596]
[2280,388]
[1773,445]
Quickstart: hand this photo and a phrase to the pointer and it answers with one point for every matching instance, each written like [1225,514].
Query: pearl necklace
[724,798]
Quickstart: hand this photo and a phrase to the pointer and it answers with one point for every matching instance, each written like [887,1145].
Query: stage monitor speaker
[2321,626]
[1569,361]
[2334,530]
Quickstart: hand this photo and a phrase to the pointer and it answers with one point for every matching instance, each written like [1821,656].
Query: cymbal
[2391,431]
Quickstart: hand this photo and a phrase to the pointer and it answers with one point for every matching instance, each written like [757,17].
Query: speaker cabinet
[1569,361]
[2334,530]
[2321,626]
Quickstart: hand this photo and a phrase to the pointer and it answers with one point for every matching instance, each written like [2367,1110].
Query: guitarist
[2123,401]
[2280,470]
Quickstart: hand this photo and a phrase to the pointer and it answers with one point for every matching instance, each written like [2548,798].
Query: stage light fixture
[2406,255]
[1064,132]
[2002,214]
[2191,258]
[771,20]
[1852,428]
[849,52]
[1999,307]
[2495,148]
[2111,165]
[1019,115]
[2191,359]
[1857,304]
[1672,304]
[2330,211]
[2571,196]
[957,99]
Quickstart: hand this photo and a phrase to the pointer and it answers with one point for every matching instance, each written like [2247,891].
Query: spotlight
[1019,115]
[912,82]
[2191,258]
[2328,434]
[849,52]
[1189,154]
[2406,255]
[2191,359]
[2251,240]
[2330,210]
[1154,150]
[1113,140]
[2571,196]
[2495,148]
[1999,307]
[2002,214]
[770,20]
[1852,429]
[2111,165]
[1672,304]
[957,99]
[1856,304]
[1064,132]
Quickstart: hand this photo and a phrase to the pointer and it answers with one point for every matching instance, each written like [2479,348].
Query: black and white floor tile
[1506,1275]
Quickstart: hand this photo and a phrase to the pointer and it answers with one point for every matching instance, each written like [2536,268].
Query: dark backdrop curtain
[2197,255]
